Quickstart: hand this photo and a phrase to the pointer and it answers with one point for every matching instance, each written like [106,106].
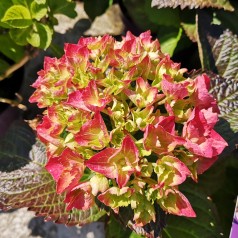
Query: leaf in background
[220,182]
[228,20]
[168,42]
[160,16]
[33,187]
[95,8]
[188,23]
[20,35]
[17,16]
[206,223]
[63,7]
[192,4]
[38,11]
[40,36]
[190,30]
[225,86]
[15,146]
[3,66]
[114,229]
[207,34]
[4,6]
[10,49]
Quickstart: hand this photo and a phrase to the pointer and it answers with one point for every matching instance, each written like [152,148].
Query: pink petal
[80,198]
[93,133]
[101,163]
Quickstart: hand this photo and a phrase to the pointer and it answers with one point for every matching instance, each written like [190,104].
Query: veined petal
[102,164]
[176,203]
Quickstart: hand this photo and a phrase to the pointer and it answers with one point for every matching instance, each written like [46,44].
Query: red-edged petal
[80,198]
[101,163]
[176,203]
[171,171]
[75,99]
[159,140]
[201,96]
[91,98]
[66,169]
[93,133]
[170,88]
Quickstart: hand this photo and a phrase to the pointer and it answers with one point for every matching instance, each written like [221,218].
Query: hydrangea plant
[124,125]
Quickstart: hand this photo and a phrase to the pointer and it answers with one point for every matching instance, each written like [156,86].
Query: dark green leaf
[40,36]
[225,88]
[206,223]
[160,16]
[33,187]
[62,7]
[3,66]
[95,8]
[4,6]
[228,20]
[17,16]
[20,35]
[193,4]
[15,146]
[10,49]
[114,229]
[207,34]
[221,184]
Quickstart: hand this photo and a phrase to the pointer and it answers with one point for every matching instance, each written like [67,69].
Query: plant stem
[15,67]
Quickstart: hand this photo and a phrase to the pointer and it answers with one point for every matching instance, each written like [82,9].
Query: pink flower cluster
[124,125]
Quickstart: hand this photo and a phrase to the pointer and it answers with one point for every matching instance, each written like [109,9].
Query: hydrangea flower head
[125,126]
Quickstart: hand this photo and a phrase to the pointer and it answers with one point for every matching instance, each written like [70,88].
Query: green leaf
[20,35]
[225,88]
[169,41]
[114,229]
[3,66]
[40,36]
[38,11]
[10,49]
[4,6]
[193,4]
[206,223]
[95,8]
[207,34]
[228,20]
[33,187]
[15,146]
[17,16]
[221,184]
[63,7]
[160,16]
[218,53]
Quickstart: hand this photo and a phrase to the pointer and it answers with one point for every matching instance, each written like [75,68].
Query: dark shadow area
[15,146]
[41,228]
